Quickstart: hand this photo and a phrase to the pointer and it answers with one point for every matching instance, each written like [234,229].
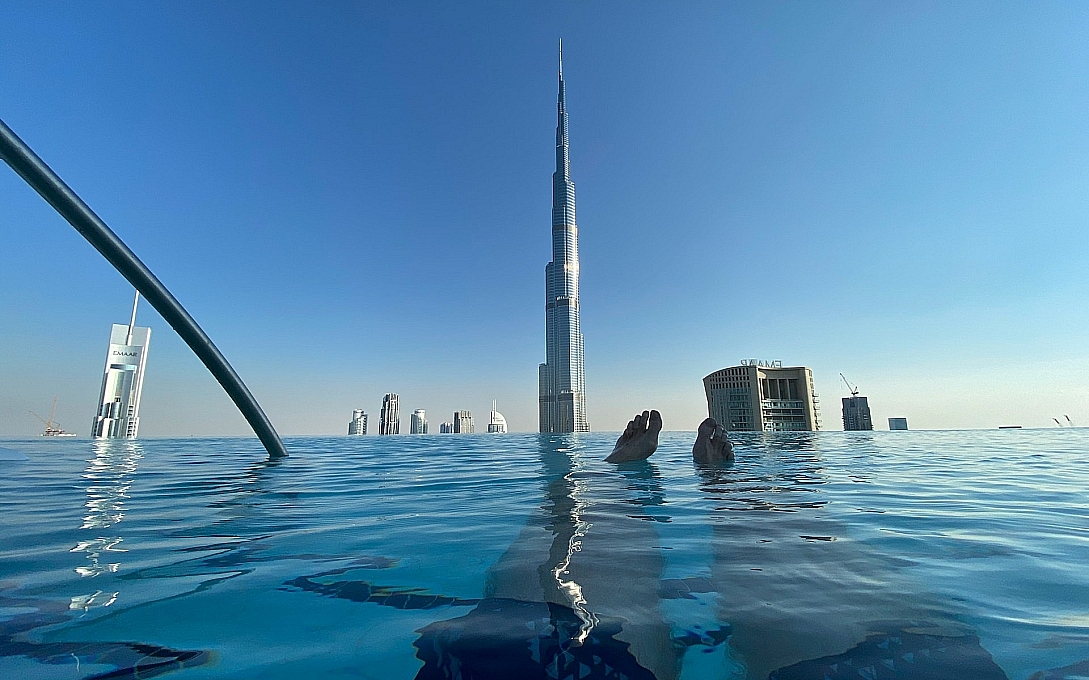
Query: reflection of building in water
[463,422]
[898,423]
[389,421]
[856,414]
[763,397]
[497,424]
[123,380]
[109,475]
[418,424]
[358,426]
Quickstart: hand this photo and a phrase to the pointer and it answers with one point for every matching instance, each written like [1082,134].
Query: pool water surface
[815,555]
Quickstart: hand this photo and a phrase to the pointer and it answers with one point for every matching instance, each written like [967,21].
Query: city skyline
[933,217]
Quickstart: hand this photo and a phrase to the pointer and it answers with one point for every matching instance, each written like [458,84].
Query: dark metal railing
[65,201]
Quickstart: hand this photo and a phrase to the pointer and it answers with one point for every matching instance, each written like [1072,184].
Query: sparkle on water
[824,555]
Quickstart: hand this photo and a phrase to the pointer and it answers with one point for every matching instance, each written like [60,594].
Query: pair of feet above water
[640,440]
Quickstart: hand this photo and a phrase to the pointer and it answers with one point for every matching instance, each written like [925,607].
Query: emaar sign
[762,363]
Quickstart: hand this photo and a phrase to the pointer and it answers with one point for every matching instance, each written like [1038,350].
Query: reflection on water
[812,556]
[109,475]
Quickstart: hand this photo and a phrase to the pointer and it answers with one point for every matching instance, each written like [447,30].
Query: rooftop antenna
[132,319]
[854,390]
[561,58]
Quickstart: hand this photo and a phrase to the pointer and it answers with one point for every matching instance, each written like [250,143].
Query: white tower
[497,424]
[418,423]
[358,426]
[123,380]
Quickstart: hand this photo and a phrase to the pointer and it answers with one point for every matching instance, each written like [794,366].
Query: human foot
[712,445]
[639,440]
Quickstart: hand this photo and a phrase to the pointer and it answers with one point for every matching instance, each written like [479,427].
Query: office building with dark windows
[759,396]
[389,421]
[898,423]
[562,394]
[856,413]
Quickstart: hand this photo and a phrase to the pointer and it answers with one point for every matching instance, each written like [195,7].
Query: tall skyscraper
[463,422]
[562,394]
[418,423]
[123,380]
[358,426]
[856,413]
[446,428]
[389,421]
[763,396]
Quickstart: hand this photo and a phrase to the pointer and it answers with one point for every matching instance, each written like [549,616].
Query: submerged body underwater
[813,555]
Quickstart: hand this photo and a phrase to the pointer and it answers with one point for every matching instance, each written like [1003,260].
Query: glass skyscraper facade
[562,393]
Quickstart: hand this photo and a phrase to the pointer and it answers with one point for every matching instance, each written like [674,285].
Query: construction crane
[854,390]
[52,427]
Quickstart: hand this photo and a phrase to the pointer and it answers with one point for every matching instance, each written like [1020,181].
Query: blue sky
[355,198]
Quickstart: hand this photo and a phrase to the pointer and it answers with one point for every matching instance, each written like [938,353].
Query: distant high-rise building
[358,426]
[763,397]
[123,380]
[497,423]
[463,422]
[418,422]
[898,423]
[856,413]
[446,428]
[389,421]
[562,393]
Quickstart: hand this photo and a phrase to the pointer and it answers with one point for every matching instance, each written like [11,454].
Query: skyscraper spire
[562,381]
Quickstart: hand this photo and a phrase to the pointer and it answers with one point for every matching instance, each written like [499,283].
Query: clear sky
[354,198]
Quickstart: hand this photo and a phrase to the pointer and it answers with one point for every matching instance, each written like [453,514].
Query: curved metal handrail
[65,201]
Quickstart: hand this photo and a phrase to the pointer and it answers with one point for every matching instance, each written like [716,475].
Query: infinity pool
[815,555]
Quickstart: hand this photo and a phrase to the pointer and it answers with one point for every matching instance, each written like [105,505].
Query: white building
[389,421]
[497,424]
[122,380]
[358,426]
[418,423]
[463,422]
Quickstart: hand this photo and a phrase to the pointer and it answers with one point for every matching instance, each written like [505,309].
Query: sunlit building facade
[763,397]
[358,426]
[418,422]
[118,413]
[389,421]
[562,393]
[463,422]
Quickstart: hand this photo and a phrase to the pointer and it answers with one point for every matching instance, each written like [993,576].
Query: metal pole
[65,201]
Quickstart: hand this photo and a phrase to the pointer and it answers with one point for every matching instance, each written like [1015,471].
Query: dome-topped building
[497,424]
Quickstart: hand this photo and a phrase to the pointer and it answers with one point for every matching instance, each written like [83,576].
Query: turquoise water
[863,555]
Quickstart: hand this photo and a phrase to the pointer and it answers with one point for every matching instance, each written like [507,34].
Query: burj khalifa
[562,376]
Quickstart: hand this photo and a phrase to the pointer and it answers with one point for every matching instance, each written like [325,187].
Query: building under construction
[856,410]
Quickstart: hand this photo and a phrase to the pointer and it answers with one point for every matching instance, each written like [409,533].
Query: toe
[654,424]
[707,428]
